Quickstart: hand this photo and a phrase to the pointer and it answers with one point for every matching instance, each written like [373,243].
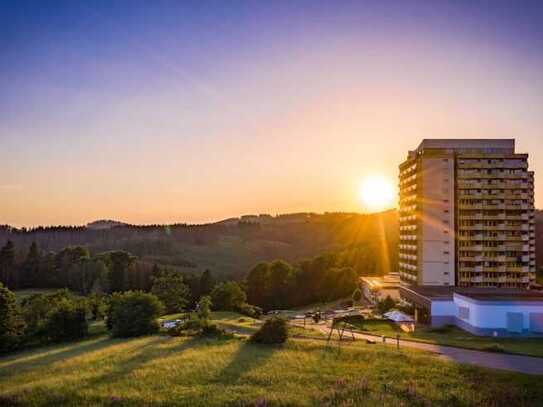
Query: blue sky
[193,111]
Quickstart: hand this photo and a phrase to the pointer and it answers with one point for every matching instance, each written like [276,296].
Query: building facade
[467,215]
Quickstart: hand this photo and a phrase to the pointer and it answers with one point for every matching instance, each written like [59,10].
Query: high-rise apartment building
[467,215]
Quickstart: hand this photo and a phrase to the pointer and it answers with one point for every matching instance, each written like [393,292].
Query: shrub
[212,330]
[357,295]
[97,306]
[442,329]
[11,323]
[346,303]
[67,321]
[385,305]
[170,288]
[228,296]
[250,310]
[204,309]
[494,348]
[274,330]
[134,313]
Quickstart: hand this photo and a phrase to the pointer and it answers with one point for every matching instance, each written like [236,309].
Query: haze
[161,112]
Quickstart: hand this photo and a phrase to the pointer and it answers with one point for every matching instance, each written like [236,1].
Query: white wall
[444,309]
[494,315]
[437,221]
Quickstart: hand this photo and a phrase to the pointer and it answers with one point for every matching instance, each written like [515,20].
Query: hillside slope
[229,248]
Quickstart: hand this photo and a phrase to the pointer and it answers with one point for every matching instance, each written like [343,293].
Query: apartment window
[446,253]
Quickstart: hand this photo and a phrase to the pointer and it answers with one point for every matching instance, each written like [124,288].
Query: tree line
[280,285]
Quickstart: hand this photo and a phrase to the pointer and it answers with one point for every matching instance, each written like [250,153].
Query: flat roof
[444,293]
[499,296]
[387,281]
[506,144]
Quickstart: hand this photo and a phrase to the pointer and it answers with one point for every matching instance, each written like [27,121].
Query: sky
[179,111]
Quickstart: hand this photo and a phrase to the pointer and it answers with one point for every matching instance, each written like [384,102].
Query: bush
[97,306]
[442,329]
[346,304]
[213,331]
[171,290]
[385,305]
[228,296]
[67,321]
[493,348]
[55,317]
[134,313]
[251,311]
[11,323]
[357,295]
[274,330]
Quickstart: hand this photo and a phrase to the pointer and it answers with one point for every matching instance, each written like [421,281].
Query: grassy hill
[164,371]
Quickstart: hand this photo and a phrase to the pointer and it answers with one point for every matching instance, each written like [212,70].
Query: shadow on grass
[248,357]
[54,353]
[144,354]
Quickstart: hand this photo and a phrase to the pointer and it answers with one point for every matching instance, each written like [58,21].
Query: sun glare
[377,193]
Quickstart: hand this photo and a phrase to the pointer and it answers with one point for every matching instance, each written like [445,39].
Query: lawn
[456,337]
[160,371]
[22,294]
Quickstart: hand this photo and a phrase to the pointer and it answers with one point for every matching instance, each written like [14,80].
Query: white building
[488,312]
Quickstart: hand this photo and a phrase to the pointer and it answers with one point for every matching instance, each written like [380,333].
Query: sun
[377,193]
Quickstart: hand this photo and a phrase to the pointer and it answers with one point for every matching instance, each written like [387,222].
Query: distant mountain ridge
[229,247]
[104,224]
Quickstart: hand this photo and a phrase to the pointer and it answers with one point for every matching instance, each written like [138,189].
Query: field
[456,337]
[22,294]
[161,370]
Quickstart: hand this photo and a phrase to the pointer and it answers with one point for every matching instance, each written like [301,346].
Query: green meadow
[162,371]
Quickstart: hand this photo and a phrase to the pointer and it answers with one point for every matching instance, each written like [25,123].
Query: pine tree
[206,283]
[7,262]
[31,267]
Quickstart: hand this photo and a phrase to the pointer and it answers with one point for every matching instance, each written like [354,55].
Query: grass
[22,294]
[163,371]
[454,336]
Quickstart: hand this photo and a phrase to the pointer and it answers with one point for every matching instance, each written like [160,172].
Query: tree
[171,289]
[134,313]
[204,309]
[228,296]
[67,321]
[31,267]
[206,283]
[274,330]
[258,285]
[280,278]
[65,259]
[38,308]
[7,261]
[385,305]
[11,325]
[357,295]
[118,262]
[88,275]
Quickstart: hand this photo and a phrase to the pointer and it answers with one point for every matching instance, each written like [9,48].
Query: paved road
[504,361]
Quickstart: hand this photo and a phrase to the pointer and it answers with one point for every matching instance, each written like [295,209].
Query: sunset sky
[178,111]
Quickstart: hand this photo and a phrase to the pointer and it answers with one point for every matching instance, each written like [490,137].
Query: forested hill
[231,247]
